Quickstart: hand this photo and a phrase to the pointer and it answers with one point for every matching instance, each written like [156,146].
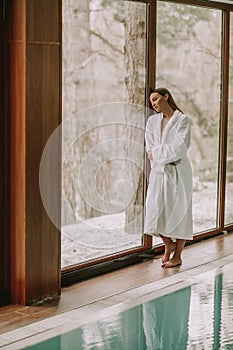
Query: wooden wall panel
[43,116]
[14,146]
[14,116]
[43,13]
[30,268]
[17,168]
[14,20]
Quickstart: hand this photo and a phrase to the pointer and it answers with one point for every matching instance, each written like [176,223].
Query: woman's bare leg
[176,259]
[169,247]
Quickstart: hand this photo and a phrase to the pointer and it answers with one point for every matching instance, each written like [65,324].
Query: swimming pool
[197,315]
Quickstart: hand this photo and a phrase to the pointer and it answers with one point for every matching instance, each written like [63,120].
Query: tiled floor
[89,294]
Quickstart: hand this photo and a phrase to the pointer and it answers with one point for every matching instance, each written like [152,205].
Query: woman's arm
[149,136]
[177,149]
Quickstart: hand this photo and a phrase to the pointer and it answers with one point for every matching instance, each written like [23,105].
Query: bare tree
[76,93]
[135,80]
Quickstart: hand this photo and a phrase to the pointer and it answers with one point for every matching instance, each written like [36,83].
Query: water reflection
[165,321]
[217,310]
[198,317]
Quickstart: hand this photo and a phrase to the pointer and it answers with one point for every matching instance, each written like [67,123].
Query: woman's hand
[150,157]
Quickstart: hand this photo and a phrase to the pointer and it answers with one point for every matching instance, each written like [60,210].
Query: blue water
[198,317]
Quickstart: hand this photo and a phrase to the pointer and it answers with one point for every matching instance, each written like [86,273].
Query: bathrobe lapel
[169,126]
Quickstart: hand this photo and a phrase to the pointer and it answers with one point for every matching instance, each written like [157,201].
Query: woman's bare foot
[173,262]
[168,250]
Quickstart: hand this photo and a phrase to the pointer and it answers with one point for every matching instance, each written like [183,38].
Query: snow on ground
[94,238]
[105,235]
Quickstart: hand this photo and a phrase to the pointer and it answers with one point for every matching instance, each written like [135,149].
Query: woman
[169,196]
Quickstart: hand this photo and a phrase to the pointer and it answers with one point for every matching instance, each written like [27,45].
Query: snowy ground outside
[92,238]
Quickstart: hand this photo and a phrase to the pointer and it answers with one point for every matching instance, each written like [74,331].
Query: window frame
[132,255]
[225,57]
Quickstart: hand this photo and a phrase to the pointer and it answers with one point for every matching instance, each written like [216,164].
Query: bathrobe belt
[160,168]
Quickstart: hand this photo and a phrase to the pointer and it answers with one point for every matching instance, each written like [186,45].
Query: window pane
[104,53]
[189,65]
[229,175]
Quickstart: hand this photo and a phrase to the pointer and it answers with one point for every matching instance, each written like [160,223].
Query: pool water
[198,317]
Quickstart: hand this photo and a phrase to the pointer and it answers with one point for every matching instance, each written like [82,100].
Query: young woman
[169,196]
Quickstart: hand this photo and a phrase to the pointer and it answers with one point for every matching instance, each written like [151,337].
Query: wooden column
[33,39]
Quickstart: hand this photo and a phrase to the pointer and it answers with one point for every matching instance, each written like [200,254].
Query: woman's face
[158,101]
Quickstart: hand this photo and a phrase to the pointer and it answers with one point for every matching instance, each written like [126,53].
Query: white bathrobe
[169,195]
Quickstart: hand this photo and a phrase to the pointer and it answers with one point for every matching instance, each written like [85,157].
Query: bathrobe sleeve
[149,135]
[179,136]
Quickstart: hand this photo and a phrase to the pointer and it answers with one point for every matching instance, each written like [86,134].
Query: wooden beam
[34,110]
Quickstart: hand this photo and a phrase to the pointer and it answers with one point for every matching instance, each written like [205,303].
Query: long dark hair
[162,91]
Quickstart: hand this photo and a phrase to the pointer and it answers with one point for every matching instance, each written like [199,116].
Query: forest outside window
[104,73]
[107,65]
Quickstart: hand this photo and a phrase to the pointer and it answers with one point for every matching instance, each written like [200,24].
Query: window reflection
[165,321]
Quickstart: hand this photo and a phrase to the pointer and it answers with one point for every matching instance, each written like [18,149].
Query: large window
[114,51]
[189,64]
[104,81]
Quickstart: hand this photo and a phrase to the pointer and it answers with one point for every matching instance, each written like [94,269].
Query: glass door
[104,82]
[189,65]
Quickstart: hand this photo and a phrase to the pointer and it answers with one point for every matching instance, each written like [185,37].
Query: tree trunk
[135,53]
[76,91]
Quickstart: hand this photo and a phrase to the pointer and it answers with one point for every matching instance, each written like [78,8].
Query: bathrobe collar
[169,124]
